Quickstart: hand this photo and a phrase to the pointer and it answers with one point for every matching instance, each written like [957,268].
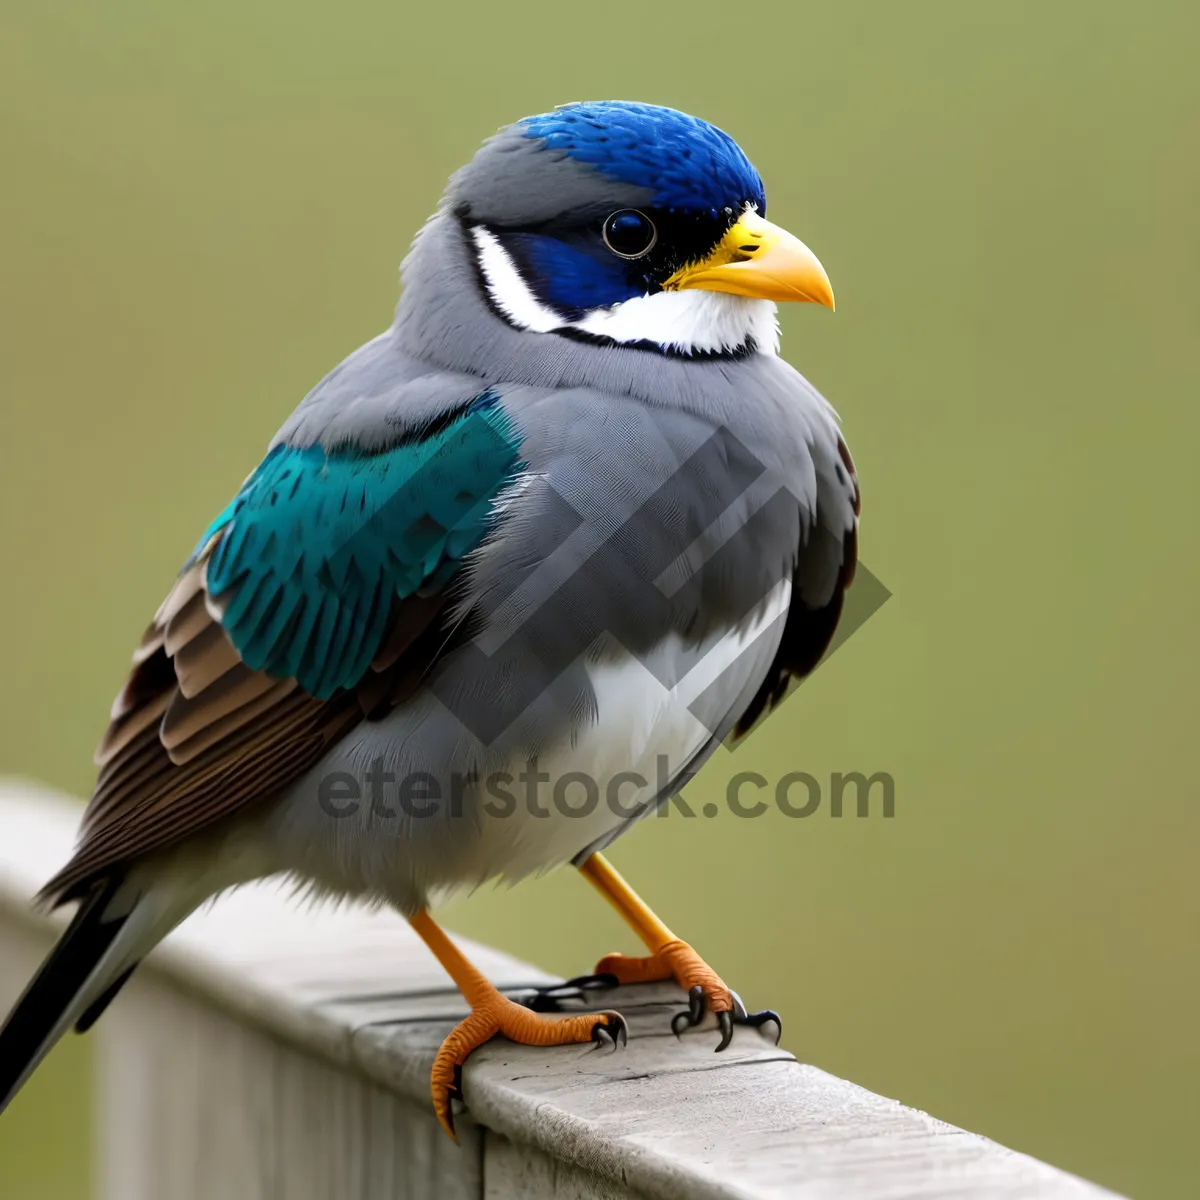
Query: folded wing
[317,597]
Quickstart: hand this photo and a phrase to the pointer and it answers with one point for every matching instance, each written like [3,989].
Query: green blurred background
[201,211]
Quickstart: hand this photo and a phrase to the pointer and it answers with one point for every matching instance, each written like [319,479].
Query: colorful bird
[502,583]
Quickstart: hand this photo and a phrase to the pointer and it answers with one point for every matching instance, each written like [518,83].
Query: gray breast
[662,504]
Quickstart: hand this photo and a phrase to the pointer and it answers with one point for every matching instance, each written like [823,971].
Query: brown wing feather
[239,695]
[196,734]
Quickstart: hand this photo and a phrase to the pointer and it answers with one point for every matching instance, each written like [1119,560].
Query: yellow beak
[756,258]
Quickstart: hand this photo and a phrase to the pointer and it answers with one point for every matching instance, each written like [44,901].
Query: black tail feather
[54,988]
[95,1010]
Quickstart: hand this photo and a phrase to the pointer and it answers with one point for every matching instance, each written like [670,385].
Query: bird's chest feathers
[648,726]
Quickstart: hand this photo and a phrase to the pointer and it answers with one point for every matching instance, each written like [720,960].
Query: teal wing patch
[307,562]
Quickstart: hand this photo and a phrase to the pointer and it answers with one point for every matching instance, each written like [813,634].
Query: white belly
[643,735]
[645,727]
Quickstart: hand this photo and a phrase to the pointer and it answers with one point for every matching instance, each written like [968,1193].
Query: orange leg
[492,1013]
[670,957]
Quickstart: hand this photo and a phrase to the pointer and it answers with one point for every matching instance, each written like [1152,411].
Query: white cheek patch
[508,290]
[684,322]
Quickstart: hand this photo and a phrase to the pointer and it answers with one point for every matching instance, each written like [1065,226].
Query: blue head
[688,165]
[577,212]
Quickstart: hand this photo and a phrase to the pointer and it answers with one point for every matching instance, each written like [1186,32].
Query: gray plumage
[671,552]
[601,430]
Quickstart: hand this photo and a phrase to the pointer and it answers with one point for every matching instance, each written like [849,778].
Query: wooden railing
[273,1049]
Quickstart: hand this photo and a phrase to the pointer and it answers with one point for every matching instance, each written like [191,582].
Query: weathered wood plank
[275,1049]
[197,1104]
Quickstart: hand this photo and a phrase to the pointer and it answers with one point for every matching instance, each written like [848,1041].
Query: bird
[503,582]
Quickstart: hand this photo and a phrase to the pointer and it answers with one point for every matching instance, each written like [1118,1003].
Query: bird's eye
[629,233]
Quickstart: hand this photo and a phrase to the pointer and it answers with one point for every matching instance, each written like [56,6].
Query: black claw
[591,983]
[456,1092]
[611,1034]
[766,1017]
[725,1023]
[549,999]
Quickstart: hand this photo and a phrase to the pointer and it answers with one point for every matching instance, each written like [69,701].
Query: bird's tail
[107,939]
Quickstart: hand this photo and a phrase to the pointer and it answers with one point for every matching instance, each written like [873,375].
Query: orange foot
[672,959]
[707,991]
[493,1013]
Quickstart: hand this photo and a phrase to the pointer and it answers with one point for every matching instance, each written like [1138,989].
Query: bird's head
[618,222]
